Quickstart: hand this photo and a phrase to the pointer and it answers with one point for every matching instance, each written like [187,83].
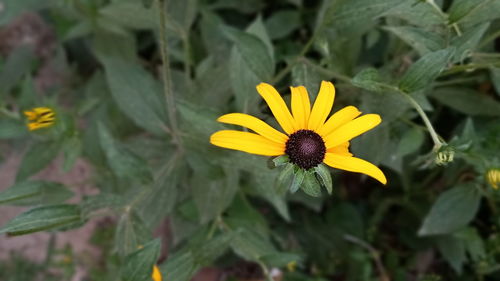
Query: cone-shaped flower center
[305,148]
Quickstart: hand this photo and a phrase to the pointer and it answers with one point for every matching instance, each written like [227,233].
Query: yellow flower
[310,138]
[493,177]
[40,117]
[156,273]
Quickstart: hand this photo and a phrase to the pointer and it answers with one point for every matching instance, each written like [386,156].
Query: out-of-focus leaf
[370,79]
[419,39]
[468,41]
[129,14]
[467,101]
[251,245]
[453,209]
[474,243]
[304,75]
[425,70]
[353,15]
[14,8]
[213,196]
[282,23]
[43,218]
[347,219]
[418,13]
[258,29]
[131,232]
[137,94]
[253,51]
[472,12]
[38,157]
[411,140]
[17,65]
[495,78]
[453,250]
[12,129]
[280,259]
[138,266]
[123,162]
[35,192]
[72,149]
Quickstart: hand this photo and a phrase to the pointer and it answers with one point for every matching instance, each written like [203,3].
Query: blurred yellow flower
[310,138]
[40,117]
[156,273]
[493,177]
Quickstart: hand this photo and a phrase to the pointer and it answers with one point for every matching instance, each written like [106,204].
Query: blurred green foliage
[99,64]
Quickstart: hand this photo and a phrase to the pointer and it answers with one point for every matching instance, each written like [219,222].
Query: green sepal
[298,178]
[283,182]
[325,177]
[311,186]
[281,160]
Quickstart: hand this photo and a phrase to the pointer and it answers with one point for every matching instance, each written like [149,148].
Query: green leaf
[370,80]
[12,129]
[43,218]
[280,259]
[453,210]
[353,16]
[14,8]
[467,101]
[418,13]
[251,245]
[325,176]
[179,266]
[131,232]
[138,266]
[35,192]
[467,42]
[298,179]
[212,197]
[453,250]
[38,157]
[72,149]
[129,14]
[281,160]
[425,70]
[411,141]
[472,12]
[17,65]
[283,23]
[253,51]
[419,39]
[284,179]
[123,162]
[137,94]
[495,78]
[310,185]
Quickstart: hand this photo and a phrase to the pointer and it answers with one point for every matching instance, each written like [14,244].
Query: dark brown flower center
[306,149]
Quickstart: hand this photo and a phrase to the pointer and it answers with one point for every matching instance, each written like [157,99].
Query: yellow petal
[247,142]
[156,274]
[353,164]
[35,125]
[338,119]
[301,106]
[352,129]
[254,124]
[278,107]
[31,115]
[322,106]
[342,149]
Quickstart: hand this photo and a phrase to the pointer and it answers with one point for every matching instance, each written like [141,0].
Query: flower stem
[428,124]
[167,81]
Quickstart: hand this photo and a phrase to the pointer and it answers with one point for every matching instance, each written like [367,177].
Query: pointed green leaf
[138,266]
[43,218]
[123,162]
[453,209]
[38,157]
[425,70]
[419,39]
[35,192]
[131,232]
[370,80]
[467,101]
